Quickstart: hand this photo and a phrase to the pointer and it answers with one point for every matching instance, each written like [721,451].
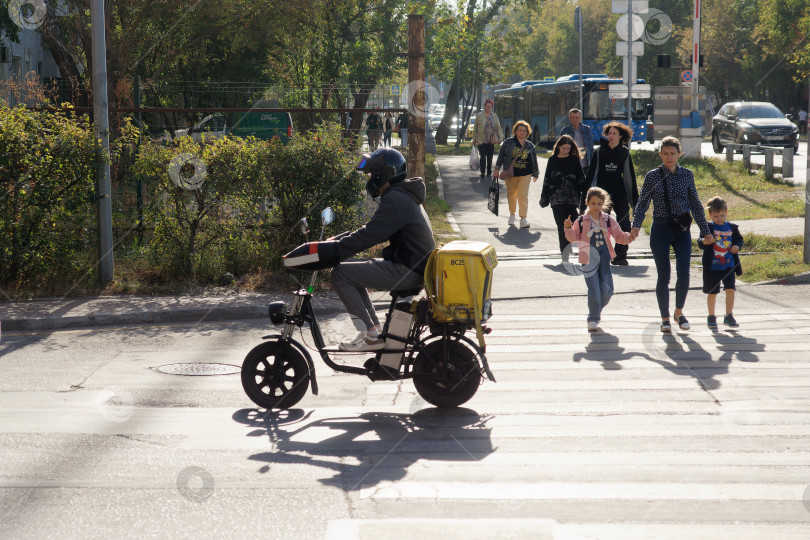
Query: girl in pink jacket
[592,232]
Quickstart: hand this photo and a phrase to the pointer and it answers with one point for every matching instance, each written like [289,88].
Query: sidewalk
[52,314]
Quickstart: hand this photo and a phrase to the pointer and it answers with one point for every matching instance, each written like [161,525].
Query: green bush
[47,196]
[241,213]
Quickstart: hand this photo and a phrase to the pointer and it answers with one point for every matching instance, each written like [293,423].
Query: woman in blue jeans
[673,192]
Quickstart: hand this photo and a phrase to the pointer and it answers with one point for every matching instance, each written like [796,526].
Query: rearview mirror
[328,215]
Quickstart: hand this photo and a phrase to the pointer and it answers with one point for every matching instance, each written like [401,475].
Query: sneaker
[711,322]
[729,320]
[511,219]
[524,223]
[619,261]
[683,324]
[593,326]
[483,175]
[665,326]
[363,342]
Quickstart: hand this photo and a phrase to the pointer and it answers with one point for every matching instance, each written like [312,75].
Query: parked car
[262,125]
[753,122]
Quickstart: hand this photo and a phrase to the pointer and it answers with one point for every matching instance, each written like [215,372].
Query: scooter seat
[404,293]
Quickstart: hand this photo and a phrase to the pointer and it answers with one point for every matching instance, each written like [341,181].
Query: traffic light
[664,61]
[700,60]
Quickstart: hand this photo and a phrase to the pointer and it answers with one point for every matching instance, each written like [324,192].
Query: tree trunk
[451,108]
[64,61]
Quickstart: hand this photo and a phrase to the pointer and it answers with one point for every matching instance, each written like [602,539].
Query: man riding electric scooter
[402,221]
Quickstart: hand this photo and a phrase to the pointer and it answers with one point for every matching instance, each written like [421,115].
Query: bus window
[503,108]
[559,112]
[539,114]
[598,104]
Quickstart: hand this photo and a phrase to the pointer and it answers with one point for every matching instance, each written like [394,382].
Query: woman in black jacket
[612,170]
[519,153]
[564,185]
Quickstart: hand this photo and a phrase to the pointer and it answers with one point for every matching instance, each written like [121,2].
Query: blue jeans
[599,279]
[661,238]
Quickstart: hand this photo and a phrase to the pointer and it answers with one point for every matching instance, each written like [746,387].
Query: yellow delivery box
[458,280]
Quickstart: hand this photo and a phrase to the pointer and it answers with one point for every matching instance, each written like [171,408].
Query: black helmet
[384,165]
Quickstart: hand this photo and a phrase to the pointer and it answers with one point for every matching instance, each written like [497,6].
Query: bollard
[747,156]
[730,153]
[787,162]
[768,163]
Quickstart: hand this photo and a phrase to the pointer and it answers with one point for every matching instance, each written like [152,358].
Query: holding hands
[567,222]
[634,233]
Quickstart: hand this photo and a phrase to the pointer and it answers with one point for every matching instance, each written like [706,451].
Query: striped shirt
[683,197]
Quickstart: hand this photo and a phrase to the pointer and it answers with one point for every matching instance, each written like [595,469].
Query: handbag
[475,161]
[508,172]
[494,196]
[680,223]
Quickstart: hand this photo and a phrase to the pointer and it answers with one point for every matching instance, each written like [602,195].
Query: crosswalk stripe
[661,491]
[548,529]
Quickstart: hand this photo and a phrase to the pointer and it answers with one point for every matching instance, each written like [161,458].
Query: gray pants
[351,278]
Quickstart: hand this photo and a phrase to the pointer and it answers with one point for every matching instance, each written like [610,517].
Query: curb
[451,219]
[798,279]
[196,315]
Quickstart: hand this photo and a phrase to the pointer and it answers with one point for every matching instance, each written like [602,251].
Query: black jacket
[564,183]
[612,170]
[401,219]
[708,250]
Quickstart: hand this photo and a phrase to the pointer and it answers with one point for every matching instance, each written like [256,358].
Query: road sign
[395,89]
[638,28]
[686,76]
[639,6]
[637,48]
[629,70]
[619,91]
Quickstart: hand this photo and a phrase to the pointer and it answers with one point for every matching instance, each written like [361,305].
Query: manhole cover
[198,369]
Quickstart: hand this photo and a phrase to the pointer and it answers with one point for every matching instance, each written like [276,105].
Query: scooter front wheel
[446,374]
[275,375]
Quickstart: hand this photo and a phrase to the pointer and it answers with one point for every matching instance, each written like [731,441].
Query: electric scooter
[446,366]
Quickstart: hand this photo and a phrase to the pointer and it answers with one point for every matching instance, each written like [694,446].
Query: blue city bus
[545,105]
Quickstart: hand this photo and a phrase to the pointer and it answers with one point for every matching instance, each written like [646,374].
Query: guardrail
[769,151]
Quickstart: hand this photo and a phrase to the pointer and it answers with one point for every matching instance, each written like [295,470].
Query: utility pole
[416,78]
[102,124]
[578,26]
[806,192]
[630,71]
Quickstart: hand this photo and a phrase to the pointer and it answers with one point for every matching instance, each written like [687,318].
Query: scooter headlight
[278,312]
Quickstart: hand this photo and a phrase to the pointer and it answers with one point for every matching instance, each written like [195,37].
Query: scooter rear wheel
[275,375]
[446,380]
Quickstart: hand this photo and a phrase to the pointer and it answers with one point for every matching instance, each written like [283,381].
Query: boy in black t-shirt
[721,261]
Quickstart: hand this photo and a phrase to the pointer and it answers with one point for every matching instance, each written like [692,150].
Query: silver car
[753,122]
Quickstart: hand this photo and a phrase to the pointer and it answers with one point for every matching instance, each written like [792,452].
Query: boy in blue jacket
[721,262]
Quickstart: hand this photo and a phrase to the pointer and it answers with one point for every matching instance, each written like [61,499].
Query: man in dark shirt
[401,220]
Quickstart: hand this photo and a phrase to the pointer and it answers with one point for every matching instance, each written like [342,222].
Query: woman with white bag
[487,133]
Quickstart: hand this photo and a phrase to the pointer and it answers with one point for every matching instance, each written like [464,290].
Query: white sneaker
[524,223]
[363,342]
[593,326]
[511,220]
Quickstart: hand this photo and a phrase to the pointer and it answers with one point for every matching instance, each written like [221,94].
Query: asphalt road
[621,434]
